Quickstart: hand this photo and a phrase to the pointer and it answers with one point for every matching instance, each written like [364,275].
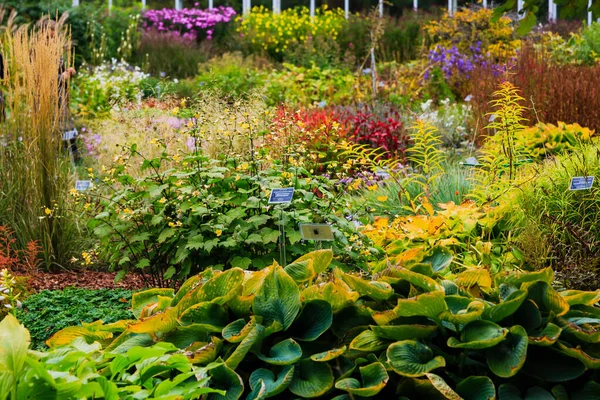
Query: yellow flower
[286,175]
[47,211]
[372,187]
[162,201]
[382,198]
[218,232]
[176,110]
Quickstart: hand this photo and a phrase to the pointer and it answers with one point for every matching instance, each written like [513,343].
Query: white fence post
[590,16]
[519,9]
[312,10]
[415,4]
[75,3]
[178,4]
[484,3]
[143,4]
[347,8]
[380,8]
[450,3]
[246,7]
[110,4]
[276,7]
[210,4]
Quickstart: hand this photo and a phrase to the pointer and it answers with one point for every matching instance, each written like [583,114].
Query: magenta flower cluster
[189,23]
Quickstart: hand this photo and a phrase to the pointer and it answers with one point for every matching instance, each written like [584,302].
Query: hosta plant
[309,331]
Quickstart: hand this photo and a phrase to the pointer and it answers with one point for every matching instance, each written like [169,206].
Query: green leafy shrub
[307,331]
[49,311]
[544,140]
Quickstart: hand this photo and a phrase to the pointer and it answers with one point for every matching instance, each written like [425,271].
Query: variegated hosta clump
[305,331]
[458,235]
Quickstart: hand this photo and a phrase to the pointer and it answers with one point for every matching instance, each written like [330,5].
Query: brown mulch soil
[86,280]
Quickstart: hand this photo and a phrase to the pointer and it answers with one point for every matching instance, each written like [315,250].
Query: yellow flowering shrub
[467,27]
[276,34]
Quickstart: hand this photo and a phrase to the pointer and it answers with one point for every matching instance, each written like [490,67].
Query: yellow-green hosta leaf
[286,352]
[479,334]
[278,300]
[253,280]
[582,328]
[67,335]
[518,278]
[461,310]
[350,318]
[328,355]
[440,259]
[311,379]
[419,280]
[205,313]
[301,271]
[412,359]
[374,378]
[163,322]
[118,326]
[128,340]
[14,343]
[224,378]
[321,259]
[140,300]
[183,336]
[403,332]
[375,290]
[253,337]
[589,354]
[314,319]
[189,285]
[259,392]
[545,337]
[368,341]
[273,386]
[508,357]
[574,297]
[236,331]
[471,277]
[546,298]
[336,293]
[222,287]
[203,352]
[476,388]
[442,387]
[428,305]
[505,308]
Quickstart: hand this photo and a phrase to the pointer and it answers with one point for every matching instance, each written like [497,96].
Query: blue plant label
[82,186]
[382,174]
[281,196]
[470,162]
[581,183]
[318,232]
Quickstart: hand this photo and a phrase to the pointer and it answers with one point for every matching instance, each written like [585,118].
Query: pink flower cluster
[189,23]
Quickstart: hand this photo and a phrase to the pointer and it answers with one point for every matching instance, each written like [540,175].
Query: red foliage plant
[567,93]
[25,260]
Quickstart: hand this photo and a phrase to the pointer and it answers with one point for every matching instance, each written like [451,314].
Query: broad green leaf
[461,310]
[286,352]
[588,354]
[590,391]
[375,290]
[336,293]
[203,352]
[314,319]
[162,322]
[440,258]
[140,300]
[517,278]
[278,300]
[328,355]
[368,341]
[126,341]
[301,271]
[349,318]
[551,365]
[321,259]
[584,329]
[205,313]
[412,359]
[259,392]
[416,279]
[165,234]
[476,388]
[471,277]
[573,297]
[479,334]
[253,337]
[505,308]
[14,343]
[236,331]
[545,337]
[273,386]
[241,262]
[222,287]
[187,287]
[311,379]
[508,357]
[428,305]
[67,335]
[442,387]
[374,378]
[224,378]
[546,298]
[403,332]
[183,336]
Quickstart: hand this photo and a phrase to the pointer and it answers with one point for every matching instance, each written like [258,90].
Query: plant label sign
[581,183]
[382,174]
[82,186]
[320,232]
[281,196]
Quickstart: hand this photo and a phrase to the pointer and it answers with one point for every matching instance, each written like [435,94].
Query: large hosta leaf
[128,340]
[476,388]
[273,386]
[222,287]
[440,259]
[236,331]
[158,323]
[205,313]
[321,259]
[471,277]
[505,308]
[253,337]
[374,378]
[67,335]
[183,336]
[574,297]
[350,318]
[224,378]
[368,341]
[508,357]
[189,285]
[508,391]
[416,279]
[336,293]
[461,310]
[374,289]
[314,319]
[478,334]
[517,278]
[301,271]
[311,379]
[278,300]
[328,355]
[14,342]
[428,305]
[589,355]
[546,298]
[546,336]
[413,359]
[403,332]
[286,352]
[203,352]
[140,300]
[582,328]
[551,365]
